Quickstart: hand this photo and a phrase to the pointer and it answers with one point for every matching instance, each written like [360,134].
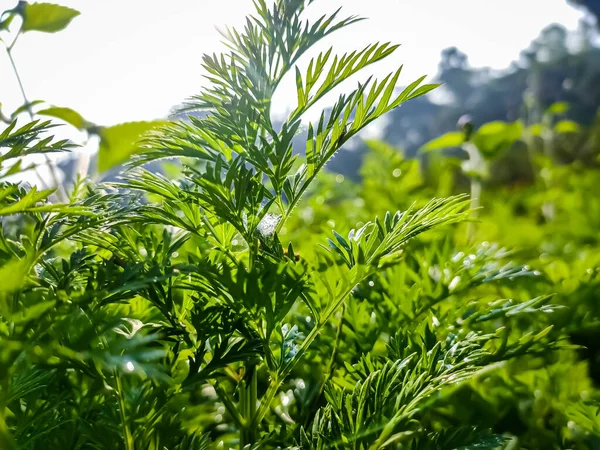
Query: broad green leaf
[558,108]
[536,129]
[452,139]
[46,17]
[495,137]
[567,126]
[68,115]
[119,142]
[12,275]
[5,23]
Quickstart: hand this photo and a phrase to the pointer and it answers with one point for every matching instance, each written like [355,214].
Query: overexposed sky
[125,60]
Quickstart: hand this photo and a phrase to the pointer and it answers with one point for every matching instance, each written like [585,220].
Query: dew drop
[458,257]
[454,283]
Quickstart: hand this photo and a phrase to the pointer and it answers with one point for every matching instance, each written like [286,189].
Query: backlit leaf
[119,142]
[46,17]
[66,114]
[567,126]
[452,139]
[495,137]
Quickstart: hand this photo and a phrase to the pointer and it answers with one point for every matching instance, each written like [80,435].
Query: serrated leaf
[46,17]
[24,204]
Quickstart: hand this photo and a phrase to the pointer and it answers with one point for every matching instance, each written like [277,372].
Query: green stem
[331,152]
[127,436]
[479,165]
[336,345]
[252,398]
[248,398]
[265,402]
[289,366]
[329,370]
[229,405]
[3,397]
[60,192]
[475,203]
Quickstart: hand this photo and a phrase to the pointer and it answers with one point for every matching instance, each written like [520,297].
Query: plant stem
[266,401]
[478,165]
[229,405]
[330,364]
[127,436]
[288,367]
[336,345]
[475,203]
[3,397]
[248,398]
[60,192]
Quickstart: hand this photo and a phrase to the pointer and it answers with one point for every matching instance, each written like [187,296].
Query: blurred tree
[454,72]
[592,6]
[550,70]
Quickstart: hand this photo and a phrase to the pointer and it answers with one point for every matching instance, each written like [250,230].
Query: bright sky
[125,60]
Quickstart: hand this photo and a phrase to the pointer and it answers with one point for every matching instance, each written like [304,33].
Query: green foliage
[117,143]
[452,139]
[25,141]
[67,115]
[255,301]
[45,17]
[493,138]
